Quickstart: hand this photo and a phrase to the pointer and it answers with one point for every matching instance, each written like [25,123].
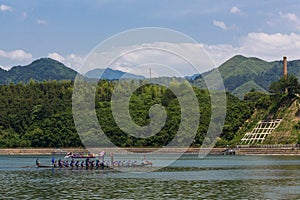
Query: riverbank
[54,151]
[290,151]
[277,151]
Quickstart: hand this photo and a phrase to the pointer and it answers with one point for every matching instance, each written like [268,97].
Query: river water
[190,177]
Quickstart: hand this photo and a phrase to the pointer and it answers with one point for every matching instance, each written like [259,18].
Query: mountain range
[47,69]
[39,70]
[240,74]
[110,74]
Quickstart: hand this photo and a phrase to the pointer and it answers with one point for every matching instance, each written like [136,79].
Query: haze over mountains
[240,74]
[110,74]
[47,69]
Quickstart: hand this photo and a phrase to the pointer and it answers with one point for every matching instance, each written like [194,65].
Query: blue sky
[68,30]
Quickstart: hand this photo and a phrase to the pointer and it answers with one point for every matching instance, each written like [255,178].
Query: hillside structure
[264,128]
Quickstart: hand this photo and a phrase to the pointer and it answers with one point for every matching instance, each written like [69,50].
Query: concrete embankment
[51,151]
[290,151]
[37,151]
[199,151]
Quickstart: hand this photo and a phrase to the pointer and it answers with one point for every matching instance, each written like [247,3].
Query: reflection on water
[217,177]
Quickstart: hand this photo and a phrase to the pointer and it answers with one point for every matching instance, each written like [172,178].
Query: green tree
[289,83]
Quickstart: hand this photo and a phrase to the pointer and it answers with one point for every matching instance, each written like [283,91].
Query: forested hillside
[282,104]
[39,114]
[47,69]
[44,69]
[240,74]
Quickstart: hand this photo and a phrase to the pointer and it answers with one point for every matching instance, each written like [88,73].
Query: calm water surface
[214,177]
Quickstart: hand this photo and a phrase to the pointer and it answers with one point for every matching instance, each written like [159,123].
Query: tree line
[39,114]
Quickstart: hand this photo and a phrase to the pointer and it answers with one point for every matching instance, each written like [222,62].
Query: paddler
[77,164]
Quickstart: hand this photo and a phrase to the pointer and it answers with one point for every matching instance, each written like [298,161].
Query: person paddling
[77,164]
[87,163]
[82,164]
[60,163]
[72,163]
[37,162]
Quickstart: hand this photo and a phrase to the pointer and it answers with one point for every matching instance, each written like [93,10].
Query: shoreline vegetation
[274,150]
[40,115]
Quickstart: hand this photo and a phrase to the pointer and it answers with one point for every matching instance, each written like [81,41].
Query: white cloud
[235,10]
[41,21]
[221,52]
[56,56]
[16,55]
[169,58]
[269,47]
[5,8]
[272,46]
[289,16]
[5,67]
[276,40]
[164,58]
[220,24]
[73,61]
